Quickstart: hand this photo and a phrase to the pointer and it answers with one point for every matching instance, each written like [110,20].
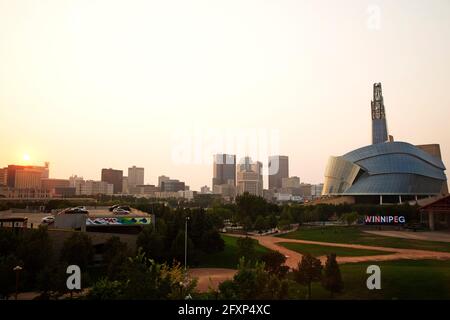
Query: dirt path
[211,277]
[394,253]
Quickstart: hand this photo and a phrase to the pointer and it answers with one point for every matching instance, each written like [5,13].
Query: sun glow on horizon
[26,157]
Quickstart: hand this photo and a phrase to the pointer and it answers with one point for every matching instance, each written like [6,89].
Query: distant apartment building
[224,169]
[292,182]
[205,190]
[172,185]
[316,190]
[18,176]
[269,195]
[16,193]
[27,178]
[58,187]
[278,168]
[114,177]
[135,176]
[161,179]
[145,190]
[75,180]
[226,191]
[249,177]
[52,184]
[125,185]
[186,194]
[306,190]
[90,187]
[3,176]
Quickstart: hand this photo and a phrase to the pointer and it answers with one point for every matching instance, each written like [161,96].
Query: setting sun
[26,157]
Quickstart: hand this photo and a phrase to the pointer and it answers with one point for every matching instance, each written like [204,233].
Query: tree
[350,218]
[152,243]
[78,250]
[105,289]
[178,248]
[332,280]
[246,248]
[114,255]
[212,242]
[309,270]
[143,278]
[274,263]
[253,283]
[35,249]
[7,275]
[260,223]
[250,206]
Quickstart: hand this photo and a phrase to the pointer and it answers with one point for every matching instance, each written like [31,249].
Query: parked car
[77,210]
[121,211]
[114,207]
[48,220]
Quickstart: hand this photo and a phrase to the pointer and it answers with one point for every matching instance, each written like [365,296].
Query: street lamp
[17,270]
[185,243]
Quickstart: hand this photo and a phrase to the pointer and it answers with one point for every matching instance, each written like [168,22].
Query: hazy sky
[92,84]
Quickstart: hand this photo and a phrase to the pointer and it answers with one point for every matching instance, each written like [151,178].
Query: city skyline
[86,96]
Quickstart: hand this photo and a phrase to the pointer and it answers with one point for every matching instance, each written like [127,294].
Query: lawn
[318,250]
[403,279]
[228,258]
[355,235]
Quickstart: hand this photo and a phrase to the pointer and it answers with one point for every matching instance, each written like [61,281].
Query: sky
[92,84]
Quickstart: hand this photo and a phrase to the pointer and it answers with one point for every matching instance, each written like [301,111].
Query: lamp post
[17,270]
[185,242]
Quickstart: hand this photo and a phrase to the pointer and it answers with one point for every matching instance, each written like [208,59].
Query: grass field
[403,279]
[354,235]
[228,258]
[318,250]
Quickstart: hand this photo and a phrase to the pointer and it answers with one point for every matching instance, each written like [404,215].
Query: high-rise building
[224,169]
[135,176]
[27,178]
[278,169]
[379,126]
[161,179]
[114,177]
[12,171]
[249,177]
[172,185]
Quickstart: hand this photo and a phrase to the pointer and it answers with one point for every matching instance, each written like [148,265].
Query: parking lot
[35,219]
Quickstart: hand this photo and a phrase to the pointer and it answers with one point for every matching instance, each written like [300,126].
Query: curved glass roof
[395,184]
[400,163]
[393,148]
